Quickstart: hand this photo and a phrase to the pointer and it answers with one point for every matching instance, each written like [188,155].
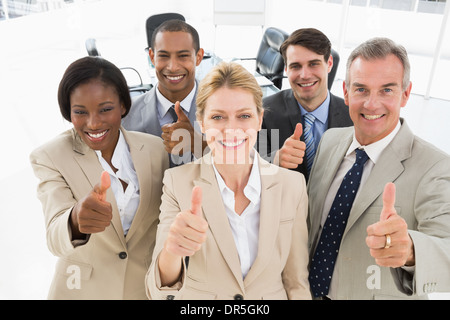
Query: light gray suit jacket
[143,117]
[421,173]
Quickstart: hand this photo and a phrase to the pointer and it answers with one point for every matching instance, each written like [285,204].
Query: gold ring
[388,241]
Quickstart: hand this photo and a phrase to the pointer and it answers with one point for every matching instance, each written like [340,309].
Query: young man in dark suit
[301,114]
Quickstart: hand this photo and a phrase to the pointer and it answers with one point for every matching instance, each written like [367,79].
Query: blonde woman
[240,220]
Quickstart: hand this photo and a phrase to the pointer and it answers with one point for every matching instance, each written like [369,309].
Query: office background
[38,40]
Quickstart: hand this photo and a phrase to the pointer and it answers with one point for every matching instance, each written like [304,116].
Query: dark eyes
[83,112]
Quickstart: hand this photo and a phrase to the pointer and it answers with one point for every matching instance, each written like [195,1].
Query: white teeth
[306,84]
[174,78]
[232,144]
[97,135]
[372,117]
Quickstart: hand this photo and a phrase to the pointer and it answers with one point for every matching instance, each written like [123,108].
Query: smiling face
[375,96]
[96,113]
[307,72]
[175,59]
[231,123]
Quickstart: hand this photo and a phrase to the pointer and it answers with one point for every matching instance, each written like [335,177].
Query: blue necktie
[309,140]
[322,264]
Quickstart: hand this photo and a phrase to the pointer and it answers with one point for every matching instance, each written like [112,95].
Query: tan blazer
[280,268]
[108,265]
[422,178]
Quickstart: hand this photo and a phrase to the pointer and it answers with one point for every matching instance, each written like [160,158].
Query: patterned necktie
[309,140]
[322,264]
[173,113]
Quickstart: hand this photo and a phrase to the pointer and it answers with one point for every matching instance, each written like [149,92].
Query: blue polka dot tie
[309,140]
[322,264]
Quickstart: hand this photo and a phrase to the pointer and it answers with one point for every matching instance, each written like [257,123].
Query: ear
[344,87]
[152,55]
[200,54]
[261,117]
[406,94]
[330,63]
[123,109]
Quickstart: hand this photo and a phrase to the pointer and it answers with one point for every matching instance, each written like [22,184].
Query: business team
[375,221]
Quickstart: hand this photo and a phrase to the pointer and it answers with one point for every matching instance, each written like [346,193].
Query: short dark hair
[86,69]
[176,25]
[310,38]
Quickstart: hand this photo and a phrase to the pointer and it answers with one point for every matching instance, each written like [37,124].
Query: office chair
[269,61]
[91,47]
[155,20]
[332,73]
[136,89]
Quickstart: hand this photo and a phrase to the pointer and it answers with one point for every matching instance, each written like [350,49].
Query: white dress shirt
[127,200]
[374,151]
[245,227]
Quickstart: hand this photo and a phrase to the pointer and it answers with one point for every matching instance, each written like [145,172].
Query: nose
[172,64]
[305,73]
[94,122]
[372,101]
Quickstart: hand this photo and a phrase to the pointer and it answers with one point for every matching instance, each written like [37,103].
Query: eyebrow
[239,110]
[297,63]
[390,84]
[167,52]
[100,105]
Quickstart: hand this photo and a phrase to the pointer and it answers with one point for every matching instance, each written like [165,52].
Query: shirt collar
[375,149]
[121,160]
[165,104]
[119,151]
[321,113]
[253,188]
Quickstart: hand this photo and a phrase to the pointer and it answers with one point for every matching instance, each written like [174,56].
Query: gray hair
[379,48]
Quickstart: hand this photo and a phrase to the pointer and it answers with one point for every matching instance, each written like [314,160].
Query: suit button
[238,297]
[123,255]
[170,297]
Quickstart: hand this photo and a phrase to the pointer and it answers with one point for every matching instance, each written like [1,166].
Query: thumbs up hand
[293,150]
[184,140]
[92,214]
[388,239]
[188,231]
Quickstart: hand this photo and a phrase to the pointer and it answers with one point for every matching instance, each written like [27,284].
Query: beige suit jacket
[421,174]
[280,268]
[108,265]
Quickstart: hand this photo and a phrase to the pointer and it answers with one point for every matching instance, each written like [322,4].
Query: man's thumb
[388,201]
[180,113]
[298,131]
[196,201]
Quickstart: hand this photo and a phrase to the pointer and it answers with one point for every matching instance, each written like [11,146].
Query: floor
[31,70]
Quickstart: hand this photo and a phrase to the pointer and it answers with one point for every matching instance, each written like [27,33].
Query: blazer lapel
[269,221]
[388,167]
[293,110]
[216,216]
[144,173]
[330,168]
[151,112]
[88,161]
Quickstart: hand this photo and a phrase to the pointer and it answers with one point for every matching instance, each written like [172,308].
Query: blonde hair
[230,75]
